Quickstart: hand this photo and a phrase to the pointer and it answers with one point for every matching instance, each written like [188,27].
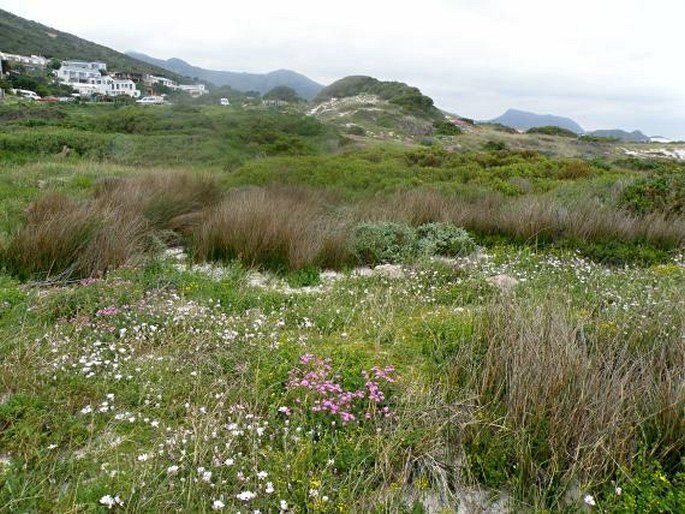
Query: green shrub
[445,128]
[383,242]
[444,239]
[660,193]
[494,146]
[647,491]
[552,130]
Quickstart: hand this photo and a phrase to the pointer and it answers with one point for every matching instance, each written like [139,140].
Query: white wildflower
[262,475]
[143,457]
[269,488]
[172,470]
[246,496]
[218,505]
[590,500]
[109,501]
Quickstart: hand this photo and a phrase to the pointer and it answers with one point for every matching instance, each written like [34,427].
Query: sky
[604,63]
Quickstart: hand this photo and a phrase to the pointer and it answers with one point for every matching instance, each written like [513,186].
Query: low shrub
[444,239]
[383,242]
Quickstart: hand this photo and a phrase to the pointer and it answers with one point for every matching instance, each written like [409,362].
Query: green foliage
[408,98]
[645,490]
[444,239]
[445,128]
[283,94]
[494,146]
[662,193]
[552,131]
[383,242]
[305,277]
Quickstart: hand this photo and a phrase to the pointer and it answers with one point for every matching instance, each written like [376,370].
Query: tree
[283,94]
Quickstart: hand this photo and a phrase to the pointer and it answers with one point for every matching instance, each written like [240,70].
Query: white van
[151,100]
[224,101]
[25,93]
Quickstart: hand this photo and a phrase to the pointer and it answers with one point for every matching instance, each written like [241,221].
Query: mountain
[262,82]
[523,120]
[408,98]
[630,137]
[25,37]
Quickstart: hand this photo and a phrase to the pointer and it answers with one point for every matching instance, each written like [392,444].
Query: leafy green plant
[444,239]
[383,242]
[646,490]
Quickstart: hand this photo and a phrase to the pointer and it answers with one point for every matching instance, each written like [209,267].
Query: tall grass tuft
[278,228]
[555,402]
[65,239]
[161,196]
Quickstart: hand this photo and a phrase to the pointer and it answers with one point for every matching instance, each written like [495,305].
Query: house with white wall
[193,90]
[106,86]
[80,71]
[36,61]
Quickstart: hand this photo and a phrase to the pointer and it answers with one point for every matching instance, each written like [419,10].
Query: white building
[193,90]
[154,79]
[106,86]
[26,60]
[80,71]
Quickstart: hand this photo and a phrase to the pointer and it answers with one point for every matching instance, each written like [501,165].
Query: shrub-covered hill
[21,36]
[409,98]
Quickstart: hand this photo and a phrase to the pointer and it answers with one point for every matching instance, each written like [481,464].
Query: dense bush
[664,193]
[444,239]
[383,242]
[552,130]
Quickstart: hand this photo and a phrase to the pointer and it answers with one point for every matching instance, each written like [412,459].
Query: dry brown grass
[280,228]
[64,239]
[161,196]
[531,217]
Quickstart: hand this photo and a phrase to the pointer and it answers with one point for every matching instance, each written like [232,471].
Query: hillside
[262,82]
[409,99]
[523,120]
[21,36]
[635,136]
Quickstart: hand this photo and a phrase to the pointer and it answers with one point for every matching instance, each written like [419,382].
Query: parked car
[151,100]
[25,93]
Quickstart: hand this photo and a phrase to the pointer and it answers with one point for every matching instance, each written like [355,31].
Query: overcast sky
[604,63]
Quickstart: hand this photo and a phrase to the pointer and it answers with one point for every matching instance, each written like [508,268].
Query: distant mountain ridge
[240,81]
[635,136]
[523,120]
[21,36]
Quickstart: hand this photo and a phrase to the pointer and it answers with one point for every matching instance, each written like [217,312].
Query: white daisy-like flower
[262,475]
[590,500]
[218,505]
[109,501]
[246,496]
[269,488]
[172,470]
[143,457]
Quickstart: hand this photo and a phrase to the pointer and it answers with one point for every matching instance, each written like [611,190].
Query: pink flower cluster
[108,311]
[316,375]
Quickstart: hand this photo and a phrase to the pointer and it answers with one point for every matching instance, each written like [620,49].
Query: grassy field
[243,310]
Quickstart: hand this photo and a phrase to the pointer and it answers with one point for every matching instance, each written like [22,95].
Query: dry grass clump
[529,218]
[161,196]
[63,238]
[554,405]
[279,228]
